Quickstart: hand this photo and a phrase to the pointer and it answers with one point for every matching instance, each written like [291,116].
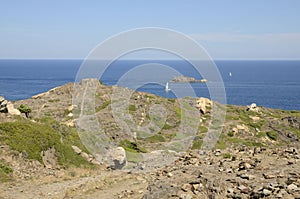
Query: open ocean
[273,84]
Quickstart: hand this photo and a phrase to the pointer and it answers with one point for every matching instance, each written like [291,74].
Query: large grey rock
[11,110]
[118,158]
[49,158]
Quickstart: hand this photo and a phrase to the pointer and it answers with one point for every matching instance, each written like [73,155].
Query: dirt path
[106,185]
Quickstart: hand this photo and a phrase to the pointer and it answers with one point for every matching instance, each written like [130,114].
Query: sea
[268,83]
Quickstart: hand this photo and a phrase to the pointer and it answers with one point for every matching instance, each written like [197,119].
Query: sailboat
[230,74]
[167,89]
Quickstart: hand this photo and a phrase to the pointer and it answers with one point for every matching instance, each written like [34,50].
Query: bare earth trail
[108,185]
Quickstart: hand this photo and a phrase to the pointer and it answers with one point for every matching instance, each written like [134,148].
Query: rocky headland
[257,154]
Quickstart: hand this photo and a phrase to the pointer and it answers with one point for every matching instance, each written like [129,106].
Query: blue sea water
[274,84]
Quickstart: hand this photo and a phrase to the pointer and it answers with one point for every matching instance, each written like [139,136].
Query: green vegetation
[53,100]
[103,106]
[230,134]
[32,138]
[25,109]
[227,155]
[273,135]
[202,129]
[220,145]
[171,100]
[132,147]
[5,171]
[178,111]
[197,143]
[132,108]
[167,127]
[155,138]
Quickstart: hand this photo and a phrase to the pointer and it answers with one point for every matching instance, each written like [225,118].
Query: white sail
[167,87]
[230,74]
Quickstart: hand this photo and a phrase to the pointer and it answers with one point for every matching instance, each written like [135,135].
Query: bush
[25,109]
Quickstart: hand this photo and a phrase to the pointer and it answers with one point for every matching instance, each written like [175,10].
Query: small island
[185,79]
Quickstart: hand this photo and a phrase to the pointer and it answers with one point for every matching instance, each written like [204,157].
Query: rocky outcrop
[3,105]
[11,110]
[204,104]
[8,107]
[49,158]
[185,79]
[118,157]
[253,107]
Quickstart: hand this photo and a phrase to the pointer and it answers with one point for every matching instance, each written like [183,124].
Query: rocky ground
[256,156]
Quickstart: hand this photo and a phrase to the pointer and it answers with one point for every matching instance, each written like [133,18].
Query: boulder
[76,149]
[49,158]
[118,158]
[252,107]
[203,104]
[11,110]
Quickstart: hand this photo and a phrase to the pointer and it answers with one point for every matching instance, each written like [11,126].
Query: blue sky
[231,29]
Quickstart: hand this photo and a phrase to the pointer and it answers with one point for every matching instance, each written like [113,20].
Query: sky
[231,29]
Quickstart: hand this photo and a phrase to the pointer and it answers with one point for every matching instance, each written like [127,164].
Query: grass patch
[103,106]
[167,127]
[155,138]
[231,117]
[273,135]
[177,111]
[227,155]
[36,137]
[53,100]
[171,100]
[5,172]
[132,147]
[131,108]
[197,143]
[261,134]
[202,129]
[220,145]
